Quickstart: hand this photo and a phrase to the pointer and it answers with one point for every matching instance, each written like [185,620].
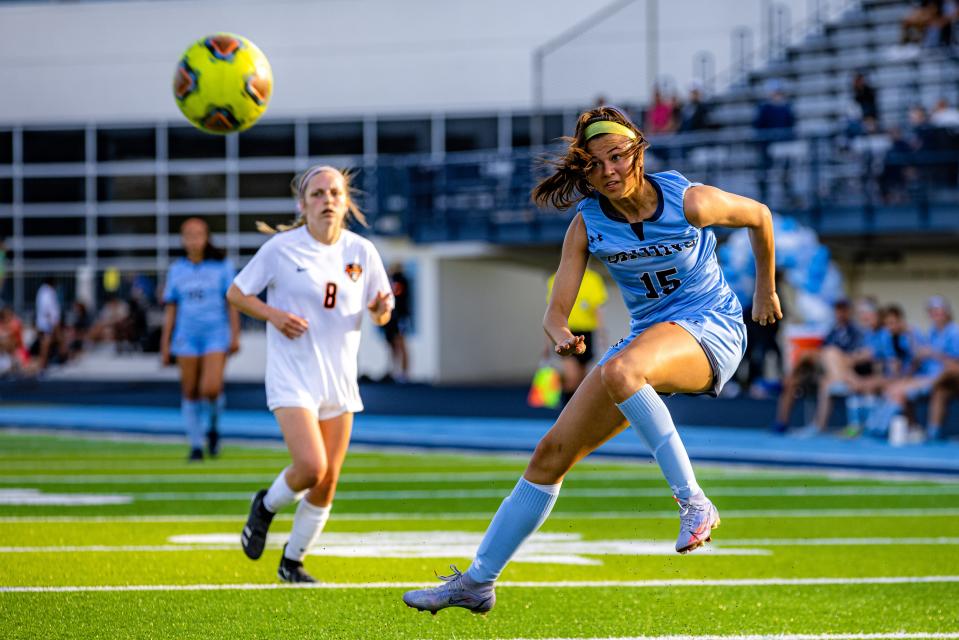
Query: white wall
[114,61]
[908,283]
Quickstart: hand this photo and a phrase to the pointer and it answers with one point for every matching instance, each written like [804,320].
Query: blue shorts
[722,337]
[200,343]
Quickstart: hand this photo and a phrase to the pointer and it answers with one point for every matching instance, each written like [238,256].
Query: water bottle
[898,431]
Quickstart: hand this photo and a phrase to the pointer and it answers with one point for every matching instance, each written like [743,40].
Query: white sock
[307,525]
[280,494]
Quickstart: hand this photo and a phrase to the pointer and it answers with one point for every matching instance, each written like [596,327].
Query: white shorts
[324,403]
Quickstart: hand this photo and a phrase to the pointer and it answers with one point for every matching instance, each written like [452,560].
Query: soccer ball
[223,83]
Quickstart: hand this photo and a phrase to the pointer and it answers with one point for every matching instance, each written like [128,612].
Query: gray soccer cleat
[457,590]
[696,522]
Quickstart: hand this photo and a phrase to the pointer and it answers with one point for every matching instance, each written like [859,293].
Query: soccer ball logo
[223,83]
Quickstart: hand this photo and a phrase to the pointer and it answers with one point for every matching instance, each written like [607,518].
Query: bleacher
[819,176]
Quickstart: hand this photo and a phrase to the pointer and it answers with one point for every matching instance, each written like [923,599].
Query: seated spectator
[76,325]
[896,172]
[694,115]
[661,114]
[944,115]
[944,389]
[13,354]
[929,355]
[110,321]
[843,338]
[927,24]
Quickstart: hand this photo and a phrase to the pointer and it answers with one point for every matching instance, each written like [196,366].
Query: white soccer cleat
[696,522]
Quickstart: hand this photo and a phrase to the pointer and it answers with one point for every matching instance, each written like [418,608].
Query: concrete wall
[908,282]
[114,61]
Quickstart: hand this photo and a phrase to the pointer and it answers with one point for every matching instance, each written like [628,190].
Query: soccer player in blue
[200,329]
[686,331]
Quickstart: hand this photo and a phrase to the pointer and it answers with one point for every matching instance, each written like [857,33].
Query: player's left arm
[707,206]
[381,301]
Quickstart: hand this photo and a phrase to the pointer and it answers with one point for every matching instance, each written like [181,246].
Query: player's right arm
[290,325]
[569,276]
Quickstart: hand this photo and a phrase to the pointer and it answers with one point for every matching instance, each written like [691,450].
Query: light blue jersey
[665,267]
[667,271]
[944,342]
[199,292]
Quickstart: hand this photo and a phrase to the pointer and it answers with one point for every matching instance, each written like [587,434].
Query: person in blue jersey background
[201,330]
[686,331]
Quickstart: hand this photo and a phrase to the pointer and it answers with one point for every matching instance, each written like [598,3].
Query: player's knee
[210,391]
[621,378]
[308,473]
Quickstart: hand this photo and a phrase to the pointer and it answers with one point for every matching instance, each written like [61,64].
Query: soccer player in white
[320,279]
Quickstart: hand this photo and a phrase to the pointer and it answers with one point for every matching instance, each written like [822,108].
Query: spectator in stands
[928,24]
[944,115]
[774,122]
[398,326]
[944,389]
[661,114]
[110,321]
[823,367]
[13,355]
[900,354]
[896,172]
[585,319]
[694,114]
[939,346]
[76,325]
[868,112]
[47,323]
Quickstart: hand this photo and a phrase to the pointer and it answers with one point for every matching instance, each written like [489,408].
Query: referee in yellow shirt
[586,320]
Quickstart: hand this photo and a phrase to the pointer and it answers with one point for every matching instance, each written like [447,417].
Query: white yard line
[594,584]
[592,547]
[487,515]
[463,494]
[789,636]
[654,490]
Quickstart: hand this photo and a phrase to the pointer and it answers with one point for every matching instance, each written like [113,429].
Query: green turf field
[123,539]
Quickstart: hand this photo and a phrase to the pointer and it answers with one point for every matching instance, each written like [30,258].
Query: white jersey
[330,286]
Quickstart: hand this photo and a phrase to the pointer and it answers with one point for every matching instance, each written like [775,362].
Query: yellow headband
[608,126]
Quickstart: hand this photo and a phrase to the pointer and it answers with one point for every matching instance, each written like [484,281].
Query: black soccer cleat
[253,536]
[292,570]
[196,455]
[213,442]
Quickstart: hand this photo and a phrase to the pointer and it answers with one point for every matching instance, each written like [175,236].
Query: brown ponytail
[568,182]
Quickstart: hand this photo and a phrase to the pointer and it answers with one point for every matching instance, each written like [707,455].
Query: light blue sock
[190,410]
[212,413]
[649,416]
[520,514]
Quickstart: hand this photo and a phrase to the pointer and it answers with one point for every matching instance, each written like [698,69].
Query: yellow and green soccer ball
[223,83]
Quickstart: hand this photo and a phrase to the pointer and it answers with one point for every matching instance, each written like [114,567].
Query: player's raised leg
[589,420]
[668,359]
